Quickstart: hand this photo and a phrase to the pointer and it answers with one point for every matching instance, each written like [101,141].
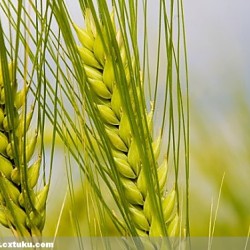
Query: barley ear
[100,70]
[19,173]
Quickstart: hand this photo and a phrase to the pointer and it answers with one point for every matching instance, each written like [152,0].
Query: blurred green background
[218,38]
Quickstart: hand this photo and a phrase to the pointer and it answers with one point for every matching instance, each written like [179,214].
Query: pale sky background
[218,38]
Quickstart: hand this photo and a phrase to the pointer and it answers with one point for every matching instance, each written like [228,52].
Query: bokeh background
[218,38]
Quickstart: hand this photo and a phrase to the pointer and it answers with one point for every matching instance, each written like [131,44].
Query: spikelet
[17,202]
[99,68]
